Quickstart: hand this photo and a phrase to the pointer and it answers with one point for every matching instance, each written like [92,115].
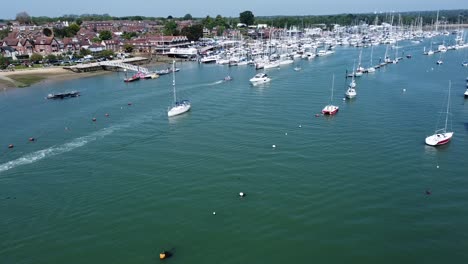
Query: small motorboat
[63,95]
[260,78]
[297,68]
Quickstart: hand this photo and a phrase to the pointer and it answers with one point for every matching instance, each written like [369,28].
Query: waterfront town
[59,41]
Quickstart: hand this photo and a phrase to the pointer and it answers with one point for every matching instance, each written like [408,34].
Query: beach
[27,77]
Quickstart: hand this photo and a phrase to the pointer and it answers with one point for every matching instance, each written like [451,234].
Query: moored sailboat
[331,109]
[441,136]
[179,107]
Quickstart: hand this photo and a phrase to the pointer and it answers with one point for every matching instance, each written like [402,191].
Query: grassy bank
[22,81]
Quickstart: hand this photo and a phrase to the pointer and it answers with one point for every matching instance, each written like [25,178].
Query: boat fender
[164,255]
[10,146]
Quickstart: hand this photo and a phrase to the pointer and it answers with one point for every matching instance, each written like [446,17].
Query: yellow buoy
[162,255]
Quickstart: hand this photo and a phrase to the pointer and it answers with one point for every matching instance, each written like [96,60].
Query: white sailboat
[371,68]
[179,107]
[331,109]
[441,136]
[351,91]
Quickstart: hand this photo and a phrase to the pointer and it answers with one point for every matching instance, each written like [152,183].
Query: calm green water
[346,189]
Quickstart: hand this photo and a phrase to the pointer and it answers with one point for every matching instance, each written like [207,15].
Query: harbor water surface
[358,187]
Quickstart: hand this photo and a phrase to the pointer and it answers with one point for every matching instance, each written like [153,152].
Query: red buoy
[10,146]
[32,139]
[94,119]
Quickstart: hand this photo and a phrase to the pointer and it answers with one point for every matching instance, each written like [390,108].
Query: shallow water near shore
[350,188]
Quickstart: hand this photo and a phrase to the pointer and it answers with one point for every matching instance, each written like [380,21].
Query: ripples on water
[123,188]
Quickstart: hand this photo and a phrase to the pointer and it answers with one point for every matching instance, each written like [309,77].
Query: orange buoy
[94,119]
[32,139]
[10,146]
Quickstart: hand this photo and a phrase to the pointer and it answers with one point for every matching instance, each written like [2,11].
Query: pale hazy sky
[232,8]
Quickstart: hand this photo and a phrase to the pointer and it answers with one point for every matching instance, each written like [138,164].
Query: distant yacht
[179,107]
[441,136]
[331,109]
[260,78]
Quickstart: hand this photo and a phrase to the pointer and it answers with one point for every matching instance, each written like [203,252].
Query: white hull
[260,78]
[439,139]
[330,109]
[350,93]
[260,81]
[179,109]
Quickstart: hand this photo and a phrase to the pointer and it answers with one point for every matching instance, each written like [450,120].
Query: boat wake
[56,150]
[217,82]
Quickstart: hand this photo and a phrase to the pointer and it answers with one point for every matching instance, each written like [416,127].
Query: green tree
[51,57]
[4,33]
[106,53]
[85,52]
[193,33]
[208,22]
[129,35]
[188,17]
[128,48]
[79,22]
[23,18]
[73,29]
[105,35]
[247,18]
[47,32]
[170,28]
[4,62]
[36,57]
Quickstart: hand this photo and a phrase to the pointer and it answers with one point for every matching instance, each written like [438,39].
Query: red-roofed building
[71,44]
[163,44]
[46,45]
[112,44]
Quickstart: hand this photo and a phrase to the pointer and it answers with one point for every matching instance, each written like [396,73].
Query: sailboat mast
[173,80]
[448,105]
[333,85]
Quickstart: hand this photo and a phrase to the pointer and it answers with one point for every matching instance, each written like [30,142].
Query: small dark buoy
[129,103]
[164,255]
[428,192]
[94,119]
[10,146]
[107,115]
[32,139]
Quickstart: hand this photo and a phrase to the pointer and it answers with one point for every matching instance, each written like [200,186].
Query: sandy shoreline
[8,80]
[13,79]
